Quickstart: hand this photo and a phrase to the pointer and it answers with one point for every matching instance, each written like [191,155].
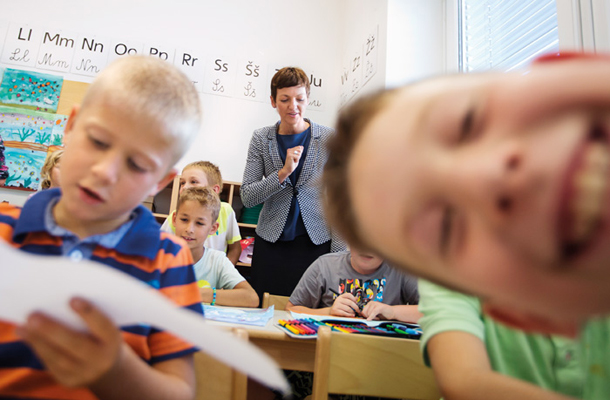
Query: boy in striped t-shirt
[136,120]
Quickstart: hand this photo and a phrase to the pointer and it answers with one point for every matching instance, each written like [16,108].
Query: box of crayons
[307,328]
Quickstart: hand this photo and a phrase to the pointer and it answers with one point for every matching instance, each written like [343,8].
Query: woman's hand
[293,156]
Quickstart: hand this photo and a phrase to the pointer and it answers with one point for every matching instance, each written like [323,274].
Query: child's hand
[75,358]
[207,294]
[345,306]
[376,310]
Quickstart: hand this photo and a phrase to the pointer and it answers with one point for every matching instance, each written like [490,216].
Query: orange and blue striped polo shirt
[155,257]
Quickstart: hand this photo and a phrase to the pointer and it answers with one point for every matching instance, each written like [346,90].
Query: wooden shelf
[167,199]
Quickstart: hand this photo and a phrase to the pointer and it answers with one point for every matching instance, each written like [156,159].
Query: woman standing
[283,170]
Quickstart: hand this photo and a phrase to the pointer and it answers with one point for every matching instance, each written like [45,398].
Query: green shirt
[596,350]
[550,362]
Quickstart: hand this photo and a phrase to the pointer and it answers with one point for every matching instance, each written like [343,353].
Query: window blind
[505,34]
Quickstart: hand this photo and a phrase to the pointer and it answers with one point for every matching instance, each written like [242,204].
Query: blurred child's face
[363,262]
[194,223]
[113,159]
[496,184]
[193,177]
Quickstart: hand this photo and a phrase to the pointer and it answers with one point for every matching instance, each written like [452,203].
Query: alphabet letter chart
[90,55]
[56,50]
[359,65]
[86,54]
[191,62]
[21,46]
[219,76]
[252,80]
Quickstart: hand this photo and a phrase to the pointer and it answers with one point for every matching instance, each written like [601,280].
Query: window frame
[576,33]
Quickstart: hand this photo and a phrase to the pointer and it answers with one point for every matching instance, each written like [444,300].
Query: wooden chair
[370,365]
[275,300]
[216,380]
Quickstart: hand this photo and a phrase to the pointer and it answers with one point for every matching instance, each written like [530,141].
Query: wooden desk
[300,354]
[289,353]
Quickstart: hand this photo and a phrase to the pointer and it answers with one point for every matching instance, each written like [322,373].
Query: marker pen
[404,330]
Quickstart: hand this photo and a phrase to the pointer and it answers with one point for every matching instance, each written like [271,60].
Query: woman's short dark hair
[288,77]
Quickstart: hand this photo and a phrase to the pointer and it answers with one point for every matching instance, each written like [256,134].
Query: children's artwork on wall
[24,168]
[26,126]
[3,167]
[57,134]
[32,90]
[28,136]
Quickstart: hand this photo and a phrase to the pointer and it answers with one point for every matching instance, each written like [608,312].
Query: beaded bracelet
[213,297]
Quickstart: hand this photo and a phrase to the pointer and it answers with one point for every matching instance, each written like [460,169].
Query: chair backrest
[213,375]
[368,365]
[275,300]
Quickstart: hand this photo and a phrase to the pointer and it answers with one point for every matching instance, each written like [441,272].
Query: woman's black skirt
[277,267]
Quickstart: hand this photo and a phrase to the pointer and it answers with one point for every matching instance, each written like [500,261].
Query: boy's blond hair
[156,89]
[45,171]
[337,203]
[212,172]
[206,197]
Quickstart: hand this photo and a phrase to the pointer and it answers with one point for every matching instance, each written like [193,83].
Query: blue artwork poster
[24,167]
[22,125]
[32,90]
[28,136]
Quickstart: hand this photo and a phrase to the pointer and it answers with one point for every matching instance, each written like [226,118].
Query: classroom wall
[600,10]
[363,62]
[417,38]
[320,36]
[414,39]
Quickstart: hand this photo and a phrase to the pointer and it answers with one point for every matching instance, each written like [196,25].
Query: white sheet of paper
[46,283]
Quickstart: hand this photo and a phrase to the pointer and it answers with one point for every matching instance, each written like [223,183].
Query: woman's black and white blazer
[261,185]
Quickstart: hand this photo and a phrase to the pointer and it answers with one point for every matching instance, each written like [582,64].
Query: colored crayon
[306,329]
[288,326]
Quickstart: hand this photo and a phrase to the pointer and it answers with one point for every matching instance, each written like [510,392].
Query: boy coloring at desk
[218,280]
[356,284]
[226,238]
[136,120]
[483,206]
[351,284]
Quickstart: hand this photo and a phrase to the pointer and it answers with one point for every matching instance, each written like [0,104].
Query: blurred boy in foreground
[136,120]
[505,196]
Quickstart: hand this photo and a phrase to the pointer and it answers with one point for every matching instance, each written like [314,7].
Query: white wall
[417,37]
[324,37]
[600,9]
[272,33]
[364,42]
